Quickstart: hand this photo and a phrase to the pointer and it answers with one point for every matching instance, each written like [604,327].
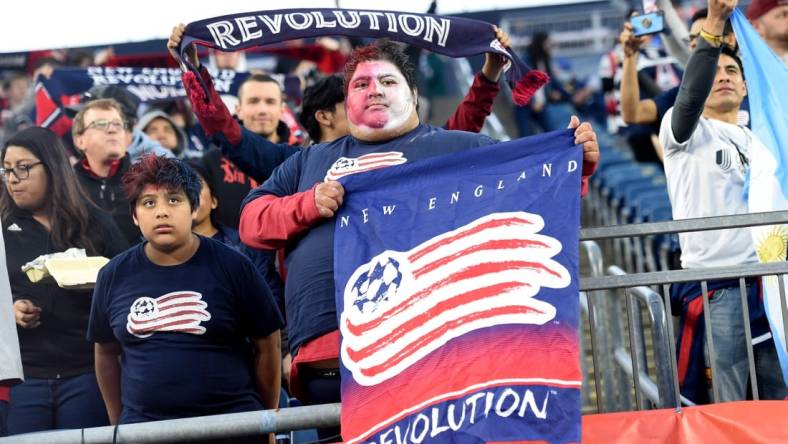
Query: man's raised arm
[633,110]
[699,75]
[253,154]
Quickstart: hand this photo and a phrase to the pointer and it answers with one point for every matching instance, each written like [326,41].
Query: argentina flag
[766,76]
[457,296]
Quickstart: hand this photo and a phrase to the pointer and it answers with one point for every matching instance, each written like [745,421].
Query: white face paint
[379,98]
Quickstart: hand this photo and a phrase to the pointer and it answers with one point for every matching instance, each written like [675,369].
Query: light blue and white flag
[766,76]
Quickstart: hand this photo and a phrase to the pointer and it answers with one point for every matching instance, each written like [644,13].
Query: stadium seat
[557,115]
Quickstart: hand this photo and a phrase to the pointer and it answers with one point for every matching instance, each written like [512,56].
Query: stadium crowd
[214,211]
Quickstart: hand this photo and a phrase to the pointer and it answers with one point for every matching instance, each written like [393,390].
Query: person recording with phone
[637,110]
[647,24]
[654,72]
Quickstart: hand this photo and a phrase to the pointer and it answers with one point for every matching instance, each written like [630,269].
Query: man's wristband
[716,40]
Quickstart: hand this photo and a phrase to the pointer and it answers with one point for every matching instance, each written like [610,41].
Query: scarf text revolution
[450,36]
[228,34]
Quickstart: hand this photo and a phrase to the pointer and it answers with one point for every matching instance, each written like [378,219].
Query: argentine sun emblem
[772,244]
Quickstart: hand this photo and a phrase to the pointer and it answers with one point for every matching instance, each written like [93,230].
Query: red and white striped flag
[401,306]
[345,166]
[179,311]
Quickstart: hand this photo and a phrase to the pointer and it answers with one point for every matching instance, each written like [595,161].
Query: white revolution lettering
[228,34]
[464,412]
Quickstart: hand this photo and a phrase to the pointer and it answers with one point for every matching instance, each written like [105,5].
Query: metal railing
[604,327]
[193,430]
[606,343]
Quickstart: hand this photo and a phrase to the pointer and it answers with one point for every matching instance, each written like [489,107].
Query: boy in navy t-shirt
[193,321]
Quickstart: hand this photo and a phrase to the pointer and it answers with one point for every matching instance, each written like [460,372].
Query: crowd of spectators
[216,218]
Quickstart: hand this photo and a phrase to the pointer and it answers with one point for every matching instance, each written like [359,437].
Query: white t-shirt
[705,176]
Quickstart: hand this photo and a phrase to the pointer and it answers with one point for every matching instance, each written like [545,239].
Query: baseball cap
[760,7]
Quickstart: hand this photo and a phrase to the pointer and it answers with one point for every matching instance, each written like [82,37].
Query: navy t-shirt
[309,289]
[184,331]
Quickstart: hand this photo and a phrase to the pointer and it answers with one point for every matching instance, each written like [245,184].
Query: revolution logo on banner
[457,296]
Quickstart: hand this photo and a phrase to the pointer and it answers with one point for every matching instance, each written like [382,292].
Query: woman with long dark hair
[43,211]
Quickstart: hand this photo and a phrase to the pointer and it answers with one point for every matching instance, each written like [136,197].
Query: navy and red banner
[457,296]
[150,85]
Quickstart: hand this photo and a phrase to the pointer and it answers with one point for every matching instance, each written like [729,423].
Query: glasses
[21,172]
[104,125]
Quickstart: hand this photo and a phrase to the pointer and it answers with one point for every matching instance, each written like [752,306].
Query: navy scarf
[451,36]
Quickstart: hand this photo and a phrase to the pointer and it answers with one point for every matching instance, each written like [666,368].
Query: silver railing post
[715,387]
[660,340]
[193,430]
[674,373]
[784,305]
[600,336]
[745,312]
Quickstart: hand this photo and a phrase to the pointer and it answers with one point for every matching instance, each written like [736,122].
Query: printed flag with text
[766,76]
[457,296]
[149,85]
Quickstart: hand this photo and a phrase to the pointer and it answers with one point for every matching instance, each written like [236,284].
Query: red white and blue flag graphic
[345,166]
[179,311]
[457,296]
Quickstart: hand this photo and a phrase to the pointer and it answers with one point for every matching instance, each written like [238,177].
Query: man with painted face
[257,152]
[294,209]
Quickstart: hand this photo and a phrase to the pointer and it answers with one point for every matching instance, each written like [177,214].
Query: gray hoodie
[183,143]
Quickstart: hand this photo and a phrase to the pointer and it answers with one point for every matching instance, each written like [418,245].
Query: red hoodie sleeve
[475,106]
[269,222]
[213,115]
[588,169]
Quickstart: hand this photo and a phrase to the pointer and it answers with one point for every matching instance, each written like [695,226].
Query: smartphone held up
[647,24]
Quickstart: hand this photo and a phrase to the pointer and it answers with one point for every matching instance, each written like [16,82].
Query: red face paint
[378,97]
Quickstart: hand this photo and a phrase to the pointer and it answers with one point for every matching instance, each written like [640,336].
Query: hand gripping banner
[451,36]
[457,296]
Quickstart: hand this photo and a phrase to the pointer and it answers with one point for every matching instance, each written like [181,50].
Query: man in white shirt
[706,161]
